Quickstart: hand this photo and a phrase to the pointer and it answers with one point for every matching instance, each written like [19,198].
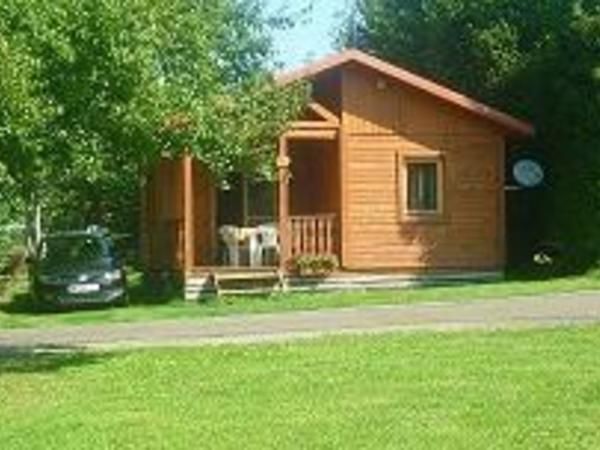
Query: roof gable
[511,124]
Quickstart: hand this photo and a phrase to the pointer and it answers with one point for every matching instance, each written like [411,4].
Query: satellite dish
[528,173]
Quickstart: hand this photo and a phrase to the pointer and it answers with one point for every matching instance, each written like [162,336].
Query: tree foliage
[539,59]
[93,91]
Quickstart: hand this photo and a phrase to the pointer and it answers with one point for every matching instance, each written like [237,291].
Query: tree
[93,91]
[539,59]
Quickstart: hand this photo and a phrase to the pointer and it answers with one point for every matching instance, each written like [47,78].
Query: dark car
[78,268]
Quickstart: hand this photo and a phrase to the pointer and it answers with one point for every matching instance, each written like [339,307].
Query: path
[525,312]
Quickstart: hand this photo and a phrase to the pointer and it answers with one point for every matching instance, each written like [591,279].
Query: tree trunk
[33,225]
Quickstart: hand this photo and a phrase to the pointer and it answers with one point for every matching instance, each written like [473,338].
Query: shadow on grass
[533,272]
[45,359]
[140,293]
[24,303]
[145,292]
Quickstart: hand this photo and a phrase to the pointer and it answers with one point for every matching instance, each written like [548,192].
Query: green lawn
[18,315]
[475,390]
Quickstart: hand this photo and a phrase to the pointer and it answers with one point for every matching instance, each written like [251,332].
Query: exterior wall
[384,123]
[178,216]
[204,208]
[162,217]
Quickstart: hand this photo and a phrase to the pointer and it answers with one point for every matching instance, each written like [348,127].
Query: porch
[191,224]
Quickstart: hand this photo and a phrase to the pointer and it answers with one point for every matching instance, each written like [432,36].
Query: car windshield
[73,249]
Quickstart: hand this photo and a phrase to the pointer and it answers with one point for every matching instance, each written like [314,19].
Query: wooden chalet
[387,171]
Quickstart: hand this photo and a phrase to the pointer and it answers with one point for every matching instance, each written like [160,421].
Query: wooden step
[233,281]
[245,291]
[237,276]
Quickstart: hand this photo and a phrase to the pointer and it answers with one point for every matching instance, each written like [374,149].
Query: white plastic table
[234,238]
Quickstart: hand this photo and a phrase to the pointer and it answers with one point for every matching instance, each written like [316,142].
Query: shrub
[12,252]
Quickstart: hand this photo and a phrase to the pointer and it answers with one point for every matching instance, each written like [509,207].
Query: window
[260,201]
[423,182]
[246,202]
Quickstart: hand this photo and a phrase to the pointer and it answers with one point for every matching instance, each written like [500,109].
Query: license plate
[83,288]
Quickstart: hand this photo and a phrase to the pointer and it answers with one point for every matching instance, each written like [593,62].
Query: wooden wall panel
[466,236]
[376,105]
[205,216]
[163,217]
[369,105]
[384,123]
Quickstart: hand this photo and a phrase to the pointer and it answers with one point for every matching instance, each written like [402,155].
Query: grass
[19,314]
[475,390]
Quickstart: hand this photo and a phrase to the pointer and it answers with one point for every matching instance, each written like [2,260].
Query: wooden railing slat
[315,230]
[306,236]
[321,247]
[313,235]
[297,237]
[328,237]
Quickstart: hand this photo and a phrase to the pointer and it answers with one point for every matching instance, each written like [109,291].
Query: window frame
[422,158]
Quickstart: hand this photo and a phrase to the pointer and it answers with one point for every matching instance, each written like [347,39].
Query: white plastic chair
[230,236]
[268,238]
[254,250]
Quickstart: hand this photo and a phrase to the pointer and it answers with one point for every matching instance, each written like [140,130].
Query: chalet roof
[505,121]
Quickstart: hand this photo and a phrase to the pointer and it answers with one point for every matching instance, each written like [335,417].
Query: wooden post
[188,214]
[342,229]
[283,168]
[502,235]
[145,218]
[245,202]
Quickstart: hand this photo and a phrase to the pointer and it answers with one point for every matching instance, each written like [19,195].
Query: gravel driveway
[525,312]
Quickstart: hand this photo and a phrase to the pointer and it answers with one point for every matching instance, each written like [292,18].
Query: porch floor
[204,270]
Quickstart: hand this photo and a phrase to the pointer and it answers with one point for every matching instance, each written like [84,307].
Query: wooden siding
[178,220]
[163,226]
[205,216]
[383,124]
[377,105]
[370,107]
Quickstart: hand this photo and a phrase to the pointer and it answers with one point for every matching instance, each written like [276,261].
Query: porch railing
[313,235]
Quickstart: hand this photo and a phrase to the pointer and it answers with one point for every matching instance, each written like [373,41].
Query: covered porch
[192,225]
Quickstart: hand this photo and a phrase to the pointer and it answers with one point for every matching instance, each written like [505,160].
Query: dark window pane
[422,187]
[261,203]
